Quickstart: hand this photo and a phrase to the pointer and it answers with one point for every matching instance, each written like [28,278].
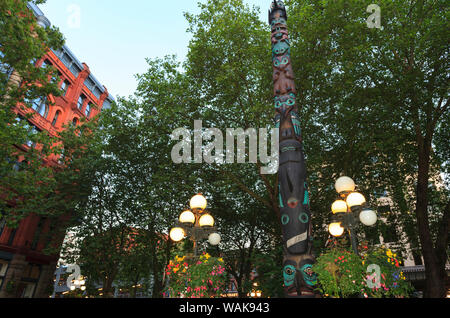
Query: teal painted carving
[303,217]
[289,275]
[306,200]
[284,219]
[309,277]
[278,21]
[279,197]
[280,61]
[281,47]
[284,101]
[296,122]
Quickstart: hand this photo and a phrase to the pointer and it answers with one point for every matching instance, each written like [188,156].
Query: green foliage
[374,103]
[25,186]
[270,275]
[202,277]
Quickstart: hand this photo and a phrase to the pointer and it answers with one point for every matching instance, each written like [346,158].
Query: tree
[381,96]
[25,181]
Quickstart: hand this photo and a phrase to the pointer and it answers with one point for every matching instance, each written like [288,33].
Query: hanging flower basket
[375,273]
[202,277]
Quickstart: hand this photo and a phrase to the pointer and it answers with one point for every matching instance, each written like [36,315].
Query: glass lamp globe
[339,206]
[176,234]
[206,220]
[335,229]
[83,287]
[214,238]
[344,184]
[368,217]
[354,199]
[187,217]
[198,202]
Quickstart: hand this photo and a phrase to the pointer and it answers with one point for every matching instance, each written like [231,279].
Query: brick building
[21,250]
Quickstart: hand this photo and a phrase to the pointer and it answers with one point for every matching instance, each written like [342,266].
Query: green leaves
[360,100]
[27,186]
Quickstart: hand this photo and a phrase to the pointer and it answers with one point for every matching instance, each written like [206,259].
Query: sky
[114,37]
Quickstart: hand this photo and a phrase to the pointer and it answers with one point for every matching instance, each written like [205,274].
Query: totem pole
[299,279]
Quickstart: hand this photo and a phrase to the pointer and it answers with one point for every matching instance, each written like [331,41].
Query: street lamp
[177,234]
[347,209]
[196,224]
[78,283]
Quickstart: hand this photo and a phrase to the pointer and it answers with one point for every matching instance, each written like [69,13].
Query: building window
[2,224]
[28,290]
[55,119]
[106,105]
[40,106]
[75,121]
[3,269]
[64,87]
[88,110]
[34,131]
[30,279]
[5,68]
[11,237]
[81,100]
[45,63]
[37,233]
[61,157]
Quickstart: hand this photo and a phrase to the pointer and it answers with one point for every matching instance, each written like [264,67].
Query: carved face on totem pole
[309,278]
[290,277]
[283,75]
[294,197]
[299,278]
[277,10]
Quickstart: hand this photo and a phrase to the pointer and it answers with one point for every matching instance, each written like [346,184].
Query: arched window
[55,119]
[46,63]
[75,121]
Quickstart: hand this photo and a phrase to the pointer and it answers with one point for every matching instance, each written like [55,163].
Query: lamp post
[350,207]
[78,283]
[195,223]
